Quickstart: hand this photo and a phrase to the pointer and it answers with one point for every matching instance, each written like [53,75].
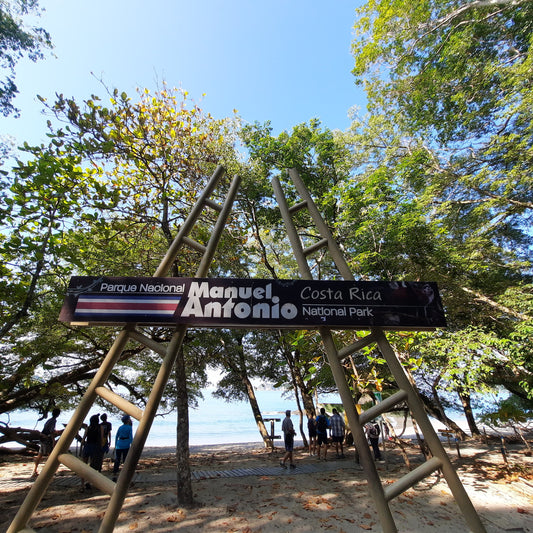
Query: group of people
[95,443]
[318,436]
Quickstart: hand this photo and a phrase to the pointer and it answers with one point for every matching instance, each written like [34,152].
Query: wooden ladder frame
[60,453]
[407,393]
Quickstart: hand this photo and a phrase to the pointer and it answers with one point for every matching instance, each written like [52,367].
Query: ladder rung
[412,478]
[195,245]
[382,407]
[120,402]
[314,247]
[155,346]
[213,205]
[86,472]
[297,207]
[356,346]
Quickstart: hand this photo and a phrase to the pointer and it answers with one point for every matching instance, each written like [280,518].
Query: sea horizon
[213,422]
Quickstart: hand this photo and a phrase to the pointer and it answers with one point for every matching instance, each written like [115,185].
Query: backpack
[321,423]
[373,430]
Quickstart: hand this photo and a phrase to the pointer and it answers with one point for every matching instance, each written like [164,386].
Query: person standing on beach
[105,442]
[91,446]
[311,428]
[106,433]
[123,442]
[337,427]
[288,432]
[47,440]
[322,423]
[372,432]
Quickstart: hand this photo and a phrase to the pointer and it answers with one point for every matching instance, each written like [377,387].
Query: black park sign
[252,303]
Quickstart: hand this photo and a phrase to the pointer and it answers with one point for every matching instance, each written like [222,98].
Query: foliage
[457,86]
[16,41]
[433,184]
[321,162]
[509,411]
[442,188]
[105,197]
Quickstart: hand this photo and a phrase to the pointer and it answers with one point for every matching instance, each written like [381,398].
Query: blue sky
[286,61]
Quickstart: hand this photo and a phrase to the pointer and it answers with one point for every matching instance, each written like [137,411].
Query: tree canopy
[16,41]
[433,183]
[106,196]
[447,148]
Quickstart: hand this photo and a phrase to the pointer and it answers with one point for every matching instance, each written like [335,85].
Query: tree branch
[496,305]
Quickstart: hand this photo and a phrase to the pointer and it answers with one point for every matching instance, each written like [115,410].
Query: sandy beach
[241,487]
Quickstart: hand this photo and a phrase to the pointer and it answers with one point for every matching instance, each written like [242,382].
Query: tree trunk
[439,414]
[30,438]
[250,391]
[467,408]
[257,413]
[294,376]
[298,382]
[301,417]
[184,485]
[307,397]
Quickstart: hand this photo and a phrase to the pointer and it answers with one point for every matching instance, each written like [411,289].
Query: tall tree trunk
[469,415]
[250,391]
[236,362]
[301,422]
[184,485]
[297,381]
[293,359]
[307,396]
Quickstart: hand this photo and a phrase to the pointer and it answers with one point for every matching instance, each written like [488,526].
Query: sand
[259,496]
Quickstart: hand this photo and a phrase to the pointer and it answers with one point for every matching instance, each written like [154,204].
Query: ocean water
[214,421]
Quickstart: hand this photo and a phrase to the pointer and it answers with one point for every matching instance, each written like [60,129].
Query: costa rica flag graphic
[129,307]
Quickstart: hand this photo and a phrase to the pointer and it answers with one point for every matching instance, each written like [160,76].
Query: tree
[140,167]
[323,163]
[459,78]
[445,153]
[241,356]
[39,206]
[16,41]
[78,206]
